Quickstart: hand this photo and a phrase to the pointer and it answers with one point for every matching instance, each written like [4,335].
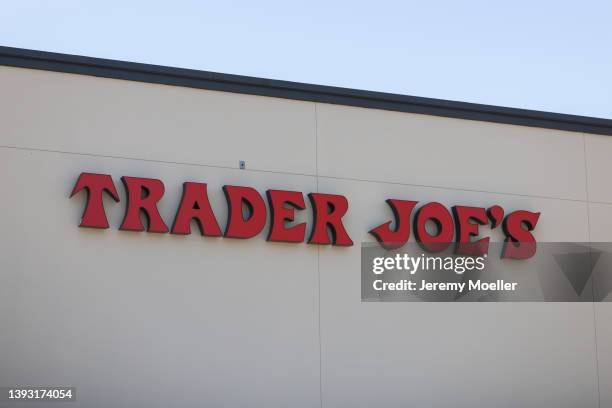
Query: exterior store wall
[135,319]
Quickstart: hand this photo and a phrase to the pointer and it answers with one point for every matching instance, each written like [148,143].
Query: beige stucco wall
[135,319]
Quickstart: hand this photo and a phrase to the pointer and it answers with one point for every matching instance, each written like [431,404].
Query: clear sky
[545,55]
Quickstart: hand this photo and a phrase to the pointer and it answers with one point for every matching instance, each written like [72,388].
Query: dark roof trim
[131,71]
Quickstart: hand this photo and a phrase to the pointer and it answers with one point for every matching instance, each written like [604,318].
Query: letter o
[443,219]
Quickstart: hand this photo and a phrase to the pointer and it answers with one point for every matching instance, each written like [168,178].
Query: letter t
[95,184]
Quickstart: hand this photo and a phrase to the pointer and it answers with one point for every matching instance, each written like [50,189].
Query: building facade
[144,319]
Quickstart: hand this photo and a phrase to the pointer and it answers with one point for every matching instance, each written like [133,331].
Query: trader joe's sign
[247,217]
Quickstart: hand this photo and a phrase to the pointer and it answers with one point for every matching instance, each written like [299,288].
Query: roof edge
[75,64]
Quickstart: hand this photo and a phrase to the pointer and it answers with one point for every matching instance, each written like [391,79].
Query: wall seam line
[586,189]
[316,175]
[316,122]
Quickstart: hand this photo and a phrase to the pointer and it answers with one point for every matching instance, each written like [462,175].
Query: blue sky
[545,55]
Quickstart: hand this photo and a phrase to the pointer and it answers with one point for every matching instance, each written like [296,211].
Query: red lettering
[94,215]
[328,210]
[247,217]
[520,243]
[280,214]
[496,215]
[466,229]
[239,226]
[143,196]
[393,239]
[443,220]
[195,205]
